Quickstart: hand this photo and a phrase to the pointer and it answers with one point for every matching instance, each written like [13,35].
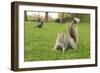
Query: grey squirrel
[63,41]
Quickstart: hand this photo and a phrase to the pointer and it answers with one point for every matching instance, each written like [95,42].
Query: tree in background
[25,15]
[82,17]
[46,16]
[62,17]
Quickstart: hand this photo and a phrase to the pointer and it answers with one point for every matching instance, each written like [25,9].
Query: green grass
[39,42]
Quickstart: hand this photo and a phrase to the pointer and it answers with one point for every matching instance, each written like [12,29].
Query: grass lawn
[39,42]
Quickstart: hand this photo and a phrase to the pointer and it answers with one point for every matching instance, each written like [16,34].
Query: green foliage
[39,42]
[84,17]
[31,18]
[57,20]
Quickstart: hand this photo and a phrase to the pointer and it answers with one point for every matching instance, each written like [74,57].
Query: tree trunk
[46,16]
[25,15]
[61,18]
